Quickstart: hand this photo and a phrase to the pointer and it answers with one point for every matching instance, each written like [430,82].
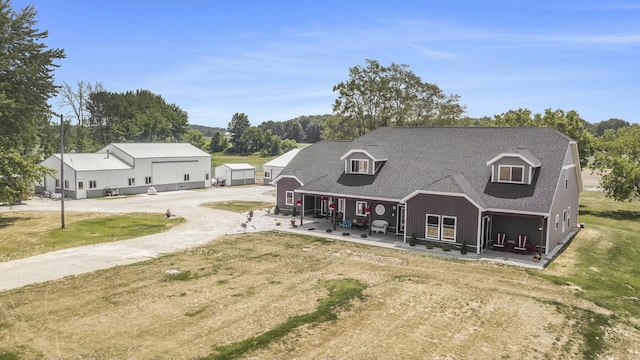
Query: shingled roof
[440,160]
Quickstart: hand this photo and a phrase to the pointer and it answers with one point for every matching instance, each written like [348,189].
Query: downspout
[404,236]
[480,232]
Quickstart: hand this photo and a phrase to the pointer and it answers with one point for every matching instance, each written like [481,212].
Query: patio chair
[522,244]
[499,243]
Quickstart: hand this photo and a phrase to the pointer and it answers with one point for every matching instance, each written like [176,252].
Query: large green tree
[26,84]
[219,142]
[619,163]
[568,123]
[237,126]
[134,116]
[376,96]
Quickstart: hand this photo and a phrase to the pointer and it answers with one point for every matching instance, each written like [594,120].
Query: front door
[400,220]
[81,193]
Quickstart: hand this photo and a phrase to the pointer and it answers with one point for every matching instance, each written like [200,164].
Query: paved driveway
[202,226]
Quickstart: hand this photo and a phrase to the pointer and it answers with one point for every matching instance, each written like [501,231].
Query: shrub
[345,234]
[463,249]
[277,222]
[364,236]
[329,230]
[412,241]
[429,246]
[446,247]
[295,211]
[286,213]
[276,210]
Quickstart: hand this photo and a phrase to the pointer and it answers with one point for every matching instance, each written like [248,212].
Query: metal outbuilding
[235,174]
[273,168]
[129,168]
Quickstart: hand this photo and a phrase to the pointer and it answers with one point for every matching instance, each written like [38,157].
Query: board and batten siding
[564,199]
[284,185]
[465,212]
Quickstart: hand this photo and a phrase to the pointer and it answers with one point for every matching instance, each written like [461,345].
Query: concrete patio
[319,226]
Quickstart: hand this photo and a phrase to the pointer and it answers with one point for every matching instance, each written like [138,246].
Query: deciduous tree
[619,163]
[219,142]
[237,126]
[376,96]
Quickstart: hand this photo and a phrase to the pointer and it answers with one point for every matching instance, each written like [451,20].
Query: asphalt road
[202,226]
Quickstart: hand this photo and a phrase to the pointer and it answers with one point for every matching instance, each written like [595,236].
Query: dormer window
[518,166]
[513,174]
[359,166]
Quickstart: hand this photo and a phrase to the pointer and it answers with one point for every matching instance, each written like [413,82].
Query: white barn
[131,168]
[236,174]
[272,168]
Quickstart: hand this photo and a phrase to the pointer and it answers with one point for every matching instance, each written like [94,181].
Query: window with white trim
[57,183]
[564,220]
[341,205]
[93,184]
[566,179]
[288,198]
[557,221]
[186,177]
[449,228]
[132,181]
[433,227]
[568,216]
[512,174]
[359,166]
[441,227]
[147,180]
[66,184]
[360,206]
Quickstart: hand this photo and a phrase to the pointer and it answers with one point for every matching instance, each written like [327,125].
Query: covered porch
[348,213]
[514,233]
[324,227]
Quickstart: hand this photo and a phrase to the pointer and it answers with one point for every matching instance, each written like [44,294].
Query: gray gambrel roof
[438,160]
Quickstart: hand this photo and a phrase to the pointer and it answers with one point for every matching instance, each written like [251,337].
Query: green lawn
[256,160]
[24,234]
[239,206]
[607,254]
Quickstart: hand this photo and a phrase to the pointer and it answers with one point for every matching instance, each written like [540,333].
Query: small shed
[235,174]
[273,168]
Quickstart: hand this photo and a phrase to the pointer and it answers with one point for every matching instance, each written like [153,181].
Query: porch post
[541,235]
[302,210]
[334,211]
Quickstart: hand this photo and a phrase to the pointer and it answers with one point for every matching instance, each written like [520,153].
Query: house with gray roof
[487,187]
[129,168]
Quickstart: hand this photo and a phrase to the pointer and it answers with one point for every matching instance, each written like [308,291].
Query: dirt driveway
[202,226]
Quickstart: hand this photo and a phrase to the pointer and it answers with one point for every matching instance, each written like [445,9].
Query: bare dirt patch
[241,286]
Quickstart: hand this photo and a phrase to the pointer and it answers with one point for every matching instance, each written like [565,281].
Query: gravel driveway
[202,226]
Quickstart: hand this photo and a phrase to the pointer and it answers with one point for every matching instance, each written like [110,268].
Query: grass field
[278,295]
[25,234]
[256,160]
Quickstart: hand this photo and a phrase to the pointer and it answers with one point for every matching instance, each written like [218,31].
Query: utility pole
[61,167]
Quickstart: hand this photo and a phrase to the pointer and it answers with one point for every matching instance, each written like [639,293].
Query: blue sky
[276,60]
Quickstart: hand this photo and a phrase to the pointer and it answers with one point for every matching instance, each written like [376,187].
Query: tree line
[373,96]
